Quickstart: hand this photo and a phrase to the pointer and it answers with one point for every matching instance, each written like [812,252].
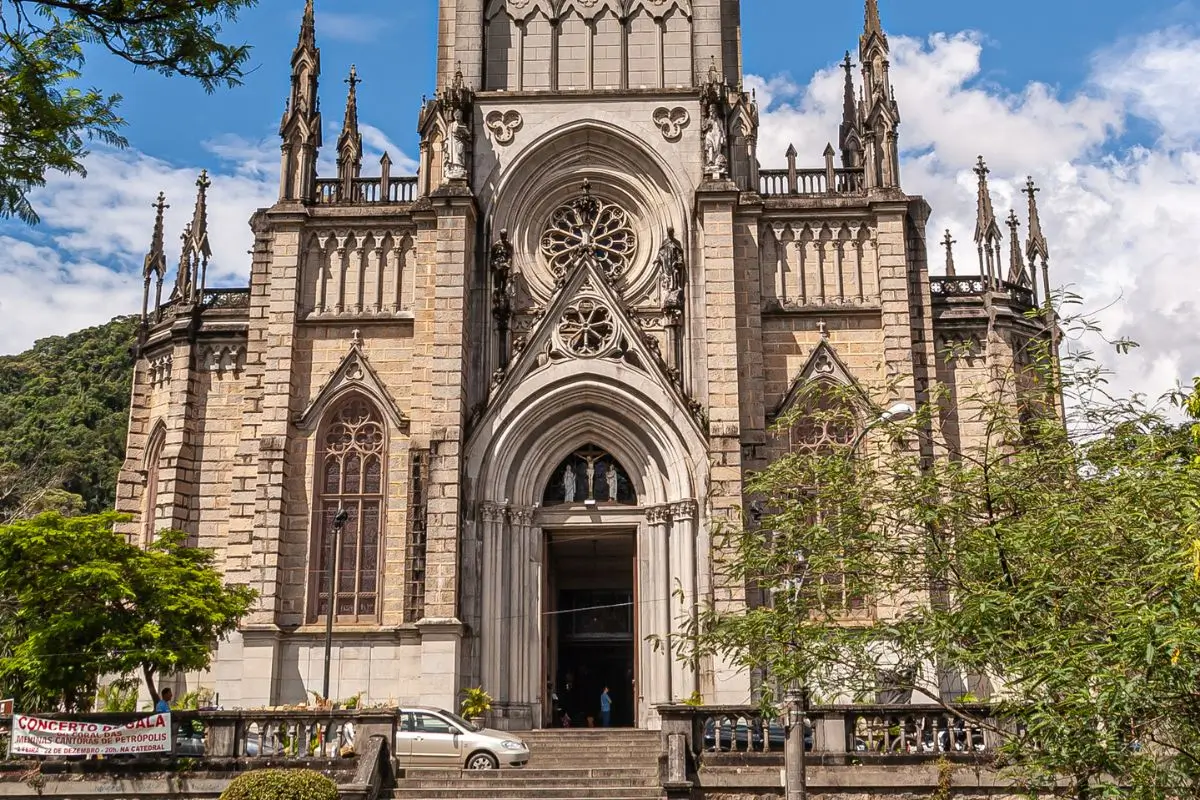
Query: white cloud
[349,27]
[1123,219]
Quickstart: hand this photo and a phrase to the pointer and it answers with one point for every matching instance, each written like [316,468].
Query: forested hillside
[64,407]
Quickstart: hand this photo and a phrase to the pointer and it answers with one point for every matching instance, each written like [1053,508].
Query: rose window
[589,226]
[587,329]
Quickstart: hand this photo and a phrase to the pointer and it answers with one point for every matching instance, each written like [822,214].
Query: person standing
[605,709]
[163,706]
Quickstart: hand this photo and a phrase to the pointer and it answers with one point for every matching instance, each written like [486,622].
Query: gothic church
[535,374]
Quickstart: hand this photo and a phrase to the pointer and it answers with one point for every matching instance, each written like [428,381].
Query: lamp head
[898,413]
[341,518]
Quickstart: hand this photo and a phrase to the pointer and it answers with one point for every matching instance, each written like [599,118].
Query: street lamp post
[339,522]
[794,757]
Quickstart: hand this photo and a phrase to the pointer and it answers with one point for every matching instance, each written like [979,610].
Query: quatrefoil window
[587,329]
[593,227]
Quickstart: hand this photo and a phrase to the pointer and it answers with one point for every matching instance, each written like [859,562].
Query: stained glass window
[352,463]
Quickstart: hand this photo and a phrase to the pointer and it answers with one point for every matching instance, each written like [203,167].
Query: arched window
[826,420]
[590,475]
[351,477]
[151,464]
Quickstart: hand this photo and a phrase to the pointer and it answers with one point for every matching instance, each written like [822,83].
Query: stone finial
[308,26]
[948,243]
[872,24]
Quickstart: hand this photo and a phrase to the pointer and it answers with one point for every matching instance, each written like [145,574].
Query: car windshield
[457,720]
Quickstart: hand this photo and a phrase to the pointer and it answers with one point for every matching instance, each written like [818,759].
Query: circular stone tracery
[587,329]
[589,225]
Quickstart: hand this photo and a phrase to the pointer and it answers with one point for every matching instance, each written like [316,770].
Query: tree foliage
[47,116]
[1052,566]
[64,411]
[77,602]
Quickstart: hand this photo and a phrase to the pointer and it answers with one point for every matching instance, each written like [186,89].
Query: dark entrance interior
[592,626]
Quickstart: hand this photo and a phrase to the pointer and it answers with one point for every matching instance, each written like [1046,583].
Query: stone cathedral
[534,375]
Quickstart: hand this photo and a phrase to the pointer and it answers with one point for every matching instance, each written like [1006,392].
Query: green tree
[1054,566]
[46,115]
[77,602]
[64,412]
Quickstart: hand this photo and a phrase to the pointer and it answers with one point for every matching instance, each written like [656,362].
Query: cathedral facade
[492,416]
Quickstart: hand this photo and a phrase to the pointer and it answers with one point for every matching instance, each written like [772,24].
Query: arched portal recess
[638,528]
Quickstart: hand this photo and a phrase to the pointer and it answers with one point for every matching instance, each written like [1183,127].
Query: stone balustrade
[944,286]
[366,191]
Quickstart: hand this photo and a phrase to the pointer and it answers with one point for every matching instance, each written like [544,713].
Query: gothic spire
[350,147]
[1038,248]
[155,266]
[987,229]
[948,243]
[850,137]
[1017,273]
[196,248]
[301,124]
[878,114]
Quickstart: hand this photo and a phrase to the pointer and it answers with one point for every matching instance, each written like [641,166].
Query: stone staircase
[573,764]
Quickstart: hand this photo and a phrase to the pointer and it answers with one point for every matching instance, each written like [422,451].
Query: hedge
[281,784]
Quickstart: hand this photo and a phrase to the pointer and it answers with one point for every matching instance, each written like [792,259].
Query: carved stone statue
[716,162]
[454,149]
[500,262]
[569,487]
[671,268]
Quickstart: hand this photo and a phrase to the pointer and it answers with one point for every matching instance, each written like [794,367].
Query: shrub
[281,784]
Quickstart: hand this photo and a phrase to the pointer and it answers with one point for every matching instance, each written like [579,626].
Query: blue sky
[393,41]
[1098,99]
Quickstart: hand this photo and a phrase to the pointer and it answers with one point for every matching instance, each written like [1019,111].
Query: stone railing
[225,298]
[977,286]
[366,191]
[714,734]
[293,735]
[809,182]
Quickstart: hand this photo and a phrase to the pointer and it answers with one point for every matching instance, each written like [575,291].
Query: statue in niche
[454,148]
[716,162]
[671,268]
[500,262]
[569,485]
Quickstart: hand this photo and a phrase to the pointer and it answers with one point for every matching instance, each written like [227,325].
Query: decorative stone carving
[716,140]
[500,262]
[671,267]
[160,370]
[588,224]
[504,125]
[454,148]
[587,329]
[672,121]
[222,358]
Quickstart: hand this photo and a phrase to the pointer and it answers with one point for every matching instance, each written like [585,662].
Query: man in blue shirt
[163,706]
[605,709]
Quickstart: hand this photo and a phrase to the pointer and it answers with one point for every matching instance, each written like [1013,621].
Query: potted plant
[475,705]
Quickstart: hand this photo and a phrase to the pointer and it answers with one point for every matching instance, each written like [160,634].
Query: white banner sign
[34,736]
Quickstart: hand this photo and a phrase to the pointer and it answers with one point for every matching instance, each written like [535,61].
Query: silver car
[432,738]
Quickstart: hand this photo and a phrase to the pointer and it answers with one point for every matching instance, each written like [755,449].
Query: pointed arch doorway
[590,597]
[534,576]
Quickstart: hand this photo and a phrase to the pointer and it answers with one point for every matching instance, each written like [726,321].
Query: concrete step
[403,792]
[535,773]
[512,780]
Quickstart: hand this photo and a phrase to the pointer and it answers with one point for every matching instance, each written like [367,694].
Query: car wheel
[482,761]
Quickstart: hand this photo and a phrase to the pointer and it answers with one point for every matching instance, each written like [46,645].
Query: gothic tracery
[593,227]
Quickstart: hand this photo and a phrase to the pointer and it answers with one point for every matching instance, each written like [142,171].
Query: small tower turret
[879,115]
[301,125]
[193,258]
[850,134]
[1017,274]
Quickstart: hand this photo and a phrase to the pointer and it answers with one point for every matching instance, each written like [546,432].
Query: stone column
[492,607]
[532,687]
[656,588]
[684,680]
